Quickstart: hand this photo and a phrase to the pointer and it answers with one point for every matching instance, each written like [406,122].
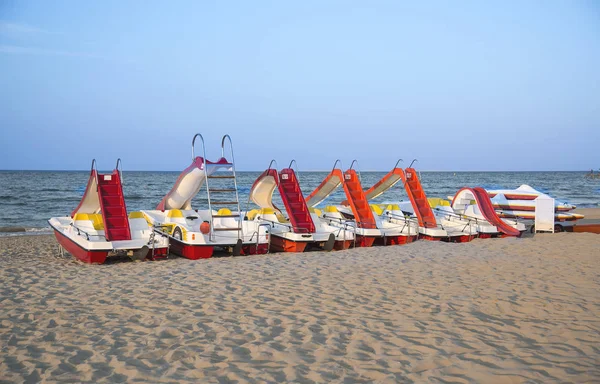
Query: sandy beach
[490,311]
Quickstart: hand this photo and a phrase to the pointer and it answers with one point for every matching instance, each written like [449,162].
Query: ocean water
[29,198]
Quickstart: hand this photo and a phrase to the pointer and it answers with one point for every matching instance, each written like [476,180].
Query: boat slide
[363,224]
[418,205]
[195,233]
[301,227]
[358,214]
[483,209]
[99,227]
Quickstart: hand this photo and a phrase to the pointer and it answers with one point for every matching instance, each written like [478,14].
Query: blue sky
[467,85]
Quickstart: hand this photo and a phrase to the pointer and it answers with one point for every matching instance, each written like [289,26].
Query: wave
[24,231]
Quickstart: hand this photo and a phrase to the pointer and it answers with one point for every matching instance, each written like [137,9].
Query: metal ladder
[230,167]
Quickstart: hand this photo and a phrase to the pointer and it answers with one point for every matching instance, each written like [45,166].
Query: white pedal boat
[99,227]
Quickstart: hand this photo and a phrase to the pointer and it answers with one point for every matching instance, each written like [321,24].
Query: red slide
[106,196]
[286,182]
[487,210]
[114,211]
[358,201]
[418,199]
[294,202]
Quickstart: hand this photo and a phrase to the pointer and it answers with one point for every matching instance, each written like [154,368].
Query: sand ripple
[499,310]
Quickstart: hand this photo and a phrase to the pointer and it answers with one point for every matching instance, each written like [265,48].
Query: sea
[29,198]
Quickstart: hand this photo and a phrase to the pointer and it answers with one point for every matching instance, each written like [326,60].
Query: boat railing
[460,216]
[268,231]
[87,234]
[345,223]
[293,228]
[399,217]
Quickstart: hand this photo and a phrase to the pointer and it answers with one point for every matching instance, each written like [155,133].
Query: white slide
[188,184]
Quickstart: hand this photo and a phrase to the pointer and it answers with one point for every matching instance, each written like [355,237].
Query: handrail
[334,164]
[297,171]
[94,168]
[357,169]
[269,230]
[237,196]
[203,148]
[120,171]
[412,162]
[87,234]
[398,162]
[211,234]
[223,146]
[396,217]
[459,215]
[271,163]
[284,224]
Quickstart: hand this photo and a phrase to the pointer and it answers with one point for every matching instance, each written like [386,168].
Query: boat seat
[224,212]
[392,207]
[377,209]
[316,211]
[437,202]
[281,218]
[95,220]
[268,214]
[175,216]
[251,215]
[138,222]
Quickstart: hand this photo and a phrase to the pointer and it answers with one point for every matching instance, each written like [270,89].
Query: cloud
[18,50]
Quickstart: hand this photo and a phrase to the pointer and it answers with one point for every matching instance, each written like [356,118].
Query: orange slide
[414,190]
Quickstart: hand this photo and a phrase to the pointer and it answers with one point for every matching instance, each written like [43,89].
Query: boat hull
[254,249]
[340,245]
[191,251]
[364,241]
[280,244]
[80,253]
[395,240]
[459,239]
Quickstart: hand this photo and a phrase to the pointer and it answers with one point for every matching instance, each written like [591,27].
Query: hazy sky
[466,85]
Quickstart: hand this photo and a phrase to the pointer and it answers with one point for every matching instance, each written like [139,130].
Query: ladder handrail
[412,162]
[271,163]
[334,164]
[211,234]
[398,162]
[121,170]
[293,161]
[203,148]
[94,168]
[357,169]
[237,197]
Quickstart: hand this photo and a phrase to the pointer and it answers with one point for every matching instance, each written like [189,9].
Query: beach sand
[589,213]
[490,311]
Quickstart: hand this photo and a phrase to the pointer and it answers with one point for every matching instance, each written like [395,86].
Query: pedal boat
[393,232]
[100,228]
[195,233]
[296,228]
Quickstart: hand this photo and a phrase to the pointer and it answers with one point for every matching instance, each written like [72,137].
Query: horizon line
[310,170]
